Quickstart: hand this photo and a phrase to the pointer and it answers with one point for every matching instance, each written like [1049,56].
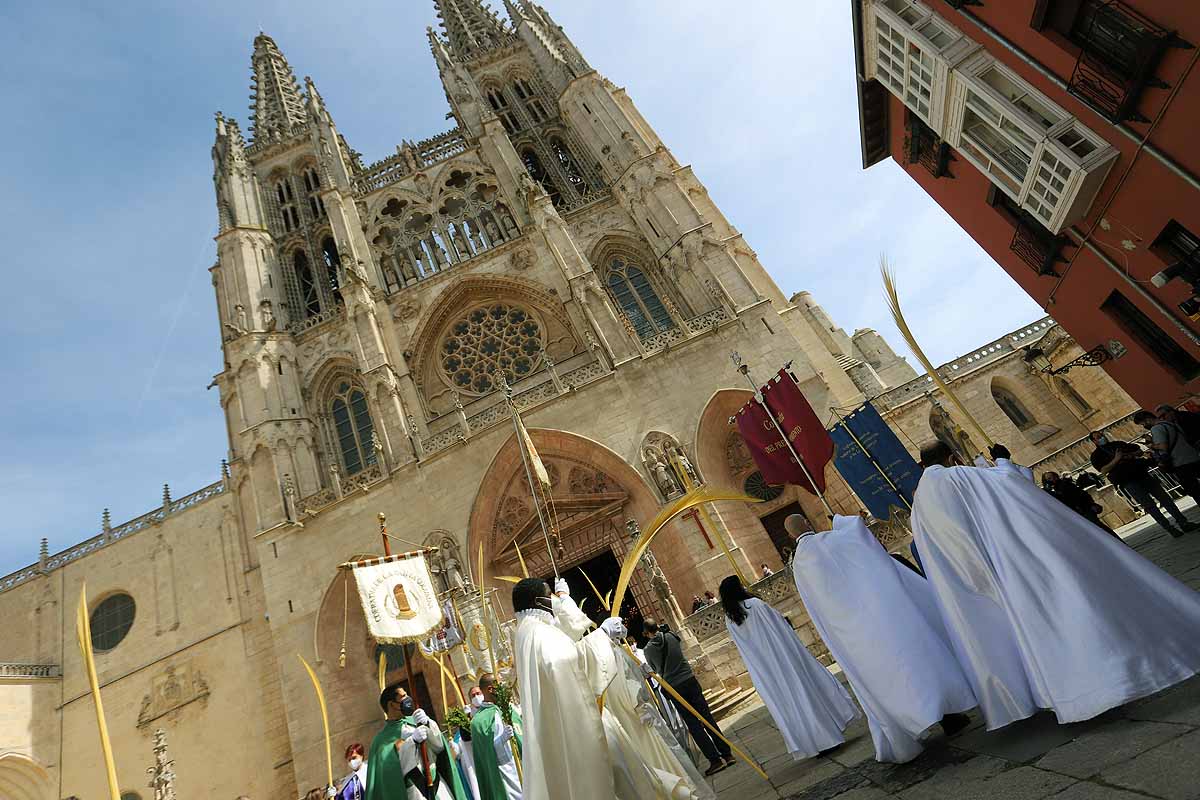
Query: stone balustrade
[111,535]
[424,153]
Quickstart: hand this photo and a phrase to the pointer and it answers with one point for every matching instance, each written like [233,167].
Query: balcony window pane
[1019,95]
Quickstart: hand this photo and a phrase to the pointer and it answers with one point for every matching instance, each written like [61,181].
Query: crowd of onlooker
[1173,448]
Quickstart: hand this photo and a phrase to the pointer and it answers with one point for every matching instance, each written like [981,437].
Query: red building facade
[1064,137]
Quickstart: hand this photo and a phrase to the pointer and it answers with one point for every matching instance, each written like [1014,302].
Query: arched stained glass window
[308,286]
[352,427]
[637,298]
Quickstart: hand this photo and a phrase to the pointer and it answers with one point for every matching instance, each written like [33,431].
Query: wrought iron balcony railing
[1119,51]
[1037,247]
[925,147]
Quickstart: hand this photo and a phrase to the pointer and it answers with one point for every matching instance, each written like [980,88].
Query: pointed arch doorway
[595,493]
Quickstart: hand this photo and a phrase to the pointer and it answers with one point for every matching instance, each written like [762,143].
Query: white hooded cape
[899,664]
[810,707]
[1043,608]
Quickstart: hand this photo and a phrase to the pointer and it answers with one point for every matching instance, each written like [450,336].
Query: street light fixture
[1092,358]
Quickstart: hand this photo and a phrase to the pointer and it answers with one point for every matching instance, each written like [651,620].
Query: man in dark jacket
[1125,465]
[664,654]
[1067,492]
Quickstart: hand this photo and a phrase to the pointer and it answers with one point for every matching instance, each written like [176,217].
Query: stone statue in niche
[686,464]
[460,243]
[268,315]
[666,482]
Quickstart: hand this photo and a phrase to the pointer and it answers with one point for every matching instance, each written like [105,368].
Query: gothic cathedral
[375,321]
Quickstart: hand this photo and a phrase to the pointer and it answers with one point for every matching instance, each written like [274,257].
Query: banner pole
[412,687]
[871,458]
[516,415]
[383,534]
[758,396]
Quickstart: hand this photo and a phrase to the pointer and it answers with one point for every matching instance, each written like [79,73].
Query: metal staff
[762,401]
[516,420]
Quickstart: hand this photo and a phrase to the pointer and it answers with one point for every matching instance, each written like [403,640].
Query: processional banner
[799,422]
[398,597]
[447,635]
[877,453]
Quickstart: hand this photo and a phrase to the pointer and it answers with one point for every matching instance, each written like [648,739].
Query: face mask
[407,706]
[477,700]
[545,604]
[355,763]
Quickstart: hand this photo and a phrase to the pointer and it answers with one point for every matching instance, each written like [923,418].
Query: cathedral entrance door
[773,523]
[604,570]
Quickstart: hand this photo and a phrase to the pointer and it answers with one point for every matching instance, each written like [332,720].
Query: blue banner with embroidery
[874,462]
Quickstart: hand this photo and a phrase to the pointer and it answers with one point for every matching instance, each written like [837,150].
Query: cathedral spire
[470,27]
[276,97]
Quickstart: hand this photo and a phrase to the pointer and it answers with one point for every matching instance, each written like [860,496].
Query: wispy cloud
[112,336]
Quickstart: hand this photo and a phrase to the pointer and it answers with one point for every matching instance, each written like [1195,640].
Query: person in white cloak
[565,744]
[468,753]
[1043,608]
[644,768]
[899,664]
[1003,462]
[810,707]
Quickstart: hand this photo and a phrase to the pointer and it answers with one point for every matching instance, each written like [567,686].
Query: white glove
[561,587]
[420,717]
[614,627]
[330,791]
[420,734]
[507,733]
[647,670]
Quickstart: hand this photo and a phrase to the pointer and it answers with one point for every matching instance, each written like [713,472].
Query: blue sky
[110,324]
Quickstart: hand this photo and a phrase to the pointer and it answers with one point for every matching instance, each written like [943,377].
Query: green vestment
[385,777]
[483,747]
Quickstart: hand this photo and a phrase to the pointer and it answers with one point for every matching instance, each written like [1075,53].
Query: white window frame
[1058,184]
[920,55]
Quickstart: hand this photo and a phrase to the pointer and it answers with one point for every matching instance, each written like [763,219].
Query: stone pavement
[1147,749]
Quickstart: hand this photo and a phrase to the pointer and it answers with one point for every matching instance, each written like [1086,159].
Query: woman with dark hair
[810,707]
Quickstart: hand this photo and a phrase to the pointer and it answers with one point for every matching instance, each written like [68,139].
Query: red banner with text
[804,430]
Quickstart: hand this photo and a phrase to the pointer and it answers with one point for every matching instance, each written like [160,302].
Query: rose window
[490,341]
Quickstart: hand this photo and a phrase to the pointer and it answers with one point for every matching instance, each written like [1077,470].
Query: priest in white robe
[1043,608]
[810,707]
[565,744]
[900,666]
[644,768]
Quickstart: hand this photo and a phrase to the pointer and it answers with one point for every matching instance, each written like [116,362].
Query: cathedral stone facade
[373,318]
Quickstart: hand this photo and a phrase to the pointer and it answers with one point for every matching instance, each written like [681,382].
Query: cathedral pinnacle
[470,27]
[277,104]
